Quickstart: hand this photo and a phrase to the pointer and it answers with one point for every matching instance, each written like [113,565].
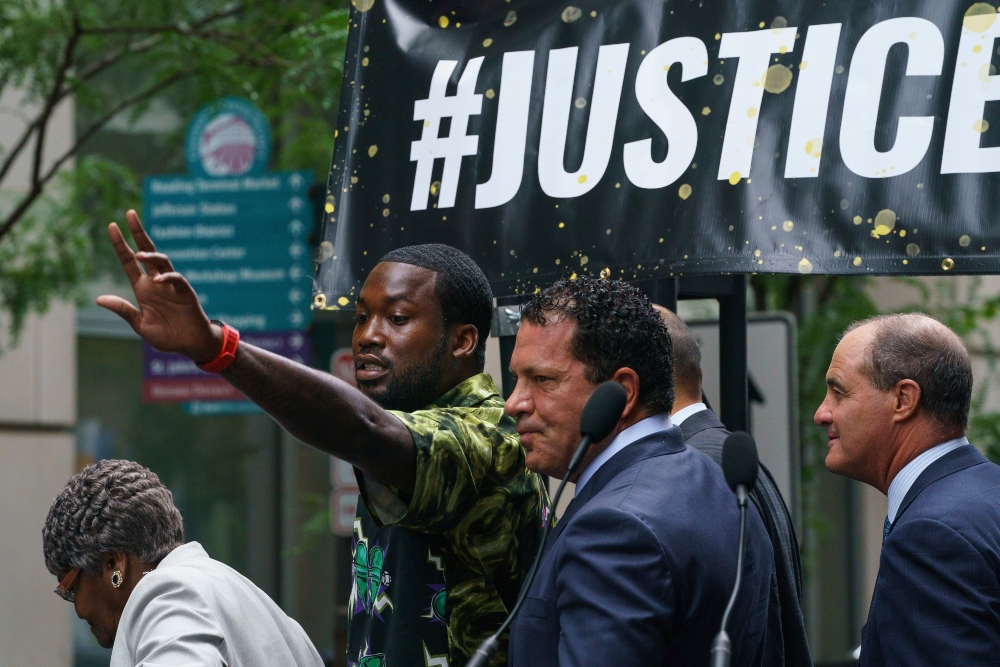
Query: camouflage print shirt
[436,572]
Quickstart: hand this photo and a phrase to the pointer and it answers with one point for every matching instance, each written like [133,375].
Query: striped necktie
[885,530]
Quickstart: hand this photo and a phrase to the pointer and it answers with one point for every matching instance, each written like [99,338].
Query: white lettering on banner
[456,145]
[754,50]
[668,112]
[812,100]
[512,131]
[975,84]
[864,93]
[608,81]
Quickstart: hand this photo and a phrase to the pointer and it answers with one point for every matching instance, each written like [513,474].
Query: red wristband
[230,341]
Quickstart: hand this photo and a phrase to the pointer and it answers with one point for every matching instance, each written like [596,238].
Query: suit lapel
[655,444]
[698,422]
[952,462]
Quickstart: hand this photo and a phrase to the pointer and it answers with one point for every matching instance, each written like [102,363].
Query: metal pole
[734,408]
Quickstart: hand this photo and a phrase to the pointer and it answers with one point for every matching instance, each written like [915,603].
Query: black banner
[641,138]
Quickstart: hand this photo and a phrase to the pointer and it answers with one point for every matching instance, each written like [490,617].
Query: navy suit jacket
[937,596]
[641,566]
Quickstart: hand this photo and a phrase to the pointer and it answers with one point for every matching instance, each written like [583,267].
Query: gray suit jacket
[192,610]
[786,632]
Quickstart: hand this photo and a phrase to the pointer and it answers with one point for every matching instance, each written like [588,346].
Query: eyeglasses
[65,587]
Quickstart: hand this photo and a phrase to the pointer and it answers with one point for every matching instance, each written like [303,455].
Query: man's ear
[628,379]
[465,339]
[906,400]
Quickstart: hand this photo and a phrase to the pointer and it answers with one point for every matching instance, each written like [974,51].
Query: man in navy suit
[639,569]
[896,410]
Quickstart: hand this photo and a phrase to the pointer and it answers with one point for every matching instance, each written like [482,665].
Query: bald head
[916,347]
[687,359]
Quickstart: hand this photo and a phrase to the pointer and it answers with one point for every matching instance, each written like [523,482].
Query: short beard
[413,389]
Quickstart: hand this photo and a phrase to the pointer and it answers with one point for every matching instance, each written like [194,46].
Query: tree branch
[50,105]
[37,187]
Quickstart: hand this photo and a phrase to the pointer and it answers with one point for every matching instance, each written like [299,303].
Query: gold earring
[117,578]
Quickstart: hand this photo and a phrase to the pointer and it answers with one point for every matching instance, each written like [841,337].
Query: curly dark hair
[461,287]
[616,327]
[111,505]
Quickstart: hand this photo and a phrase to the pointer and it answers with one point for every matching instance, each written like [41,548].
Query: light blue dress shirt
[633,433]
[678,417]
[901,484]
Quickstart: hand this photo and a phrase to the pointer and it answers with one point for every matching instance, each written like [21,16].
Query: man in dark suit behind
[896,410]
[786,630]
[639,569]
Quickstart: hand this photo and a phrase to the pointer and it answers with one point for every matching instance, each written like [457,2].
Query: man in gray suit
[786,632]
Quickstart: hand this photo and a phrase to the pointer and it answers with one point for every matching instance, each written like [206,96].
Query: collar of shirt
[678,417]
[635,432]
[901,484]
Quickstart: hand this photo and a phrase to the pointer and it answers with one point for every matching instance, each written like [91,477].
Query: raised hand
[169,316]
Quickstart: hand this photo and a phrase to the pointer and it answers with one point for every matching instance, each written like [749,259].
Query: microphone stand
[488,648]
[721,646]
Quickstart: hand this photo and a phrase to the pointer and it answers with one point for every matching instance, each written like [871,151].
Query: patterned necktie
[885,530]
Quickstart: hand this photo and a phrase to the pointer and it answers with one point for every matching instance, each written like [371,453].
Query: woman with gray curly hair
[115,542]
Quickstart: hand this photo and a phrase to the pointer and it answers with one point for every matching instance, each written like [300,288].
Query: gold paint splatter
[788,225]
[805,266]
[385,213]
[535,270]
[751,112]
[605,273]
[354,180]
[580,102]
[718,36]
[836,253]
[618,185]
[779,23]
[814,147]
[325,251]
[364,61]
[510,18]
[977,48]
[734,178]
[885,222]
[573,277]
[964,240]
[608,232]
[803,64]
[857,261]
[760,25]
[487,42]
[582,179]
[385,199]
[912,249]
[558,262]
[571,14]
[372,150]
[330,204]
[684,191]
[858,220]
[583,260]
[782,49]
[948,264]
[435,188]
[443,21]
[902,233]
[718,79]
[363,5]
[979,17]
[490,94]
[343,301]
[778,79]
[593,14]
[981,126]
[561,225]
[705,111]
[756,253]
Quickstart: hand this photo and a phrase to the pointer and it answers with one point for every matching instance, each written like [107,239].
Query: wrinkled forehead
[395,281]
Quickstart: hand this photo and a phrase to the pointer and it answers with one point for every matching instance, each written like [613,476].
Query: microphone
[599,417]
[739,465]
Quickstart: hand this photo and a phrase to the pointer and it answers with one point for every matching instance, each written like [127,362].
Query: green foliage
[116,60]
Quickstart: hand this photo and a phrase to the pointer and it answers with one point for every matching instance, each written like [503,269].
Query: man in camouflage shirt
[449,518]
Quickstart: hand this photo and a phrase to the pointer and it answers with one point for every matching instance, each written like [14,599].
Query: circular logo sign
[228,137]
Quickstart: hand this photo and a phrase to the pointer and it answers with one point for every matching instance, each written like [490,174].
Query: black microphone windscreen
[739,460]
[603,410]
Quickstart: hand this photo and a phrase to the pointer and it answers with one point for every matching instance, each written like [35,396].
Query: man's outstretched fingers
[178,281]
[142,240]
[122,308]
[125,254]
[156,262]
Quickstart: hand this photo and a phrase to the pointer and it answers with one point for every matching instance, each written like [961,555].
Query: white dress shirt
[192,610]
[902,482]
[635,432]
[678,417]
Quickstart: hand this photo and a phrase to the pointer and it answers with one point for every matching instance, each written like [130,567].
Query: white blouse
[193,611]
